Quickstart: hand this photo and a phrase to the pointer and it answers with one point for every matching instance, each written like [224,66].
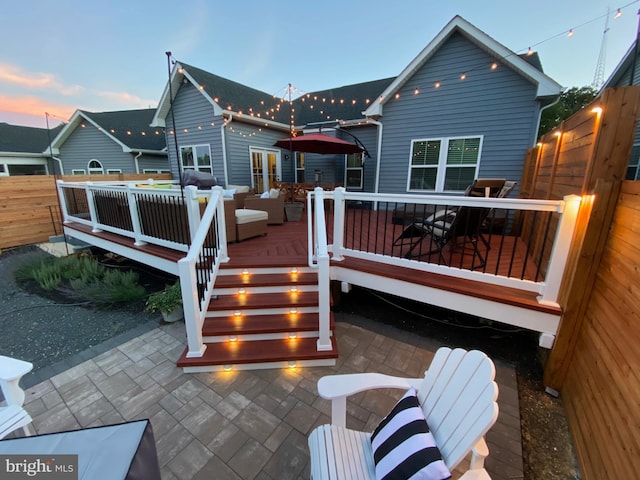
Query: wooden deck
[288,243]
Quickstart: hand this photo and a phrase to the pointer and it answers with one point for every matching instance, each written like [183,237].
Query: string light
[618,13]
[570,32]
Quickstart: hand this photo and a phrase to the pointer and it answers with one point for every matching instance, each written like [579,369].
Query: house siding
[155,162]
[369,138]
[498,105]
[622,82]
[195,124]
[88,143]
[240,137]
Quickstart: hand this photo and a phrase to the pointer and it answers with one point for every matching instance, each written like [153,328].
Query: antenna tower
[598,77]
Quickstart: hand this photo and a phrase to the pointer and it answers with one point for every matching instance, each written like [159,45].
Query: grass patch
[84,278]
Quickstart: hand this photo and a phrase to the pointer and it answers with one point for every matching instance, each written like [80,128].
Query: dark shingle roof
[236,97]
[131,127]
[16,138]
[342,103]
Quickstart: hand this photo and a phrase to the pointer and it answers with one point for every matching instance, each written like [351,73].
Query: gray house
[24,150]
[626,73]
[465,107]
[111,142]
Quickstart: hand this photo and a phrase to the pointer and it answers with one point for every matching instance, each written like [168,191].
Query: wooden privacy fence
[29,211]
[594,361]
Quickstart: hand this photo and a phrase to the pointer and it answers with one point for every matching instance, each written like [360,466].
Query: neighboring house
[24,150]
[111,142]
[628,73]
[465,107]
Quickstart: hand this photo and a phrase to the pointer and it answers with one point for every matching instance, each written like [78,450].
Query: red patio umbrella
[318,143]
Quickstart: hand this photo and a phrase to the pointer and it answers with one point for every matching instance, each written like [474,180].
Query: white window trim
[196,167]
[78,171]
[113,171]
[442,161]
[95,171]
[360,169]
[155,170]
[295,166]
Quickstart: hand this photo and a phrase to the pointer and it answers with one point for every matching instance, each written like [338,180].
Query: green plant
[165,300]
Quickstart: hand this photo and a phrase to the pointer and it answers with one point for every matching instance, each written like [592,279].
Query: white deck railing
[551,275]
[171,218]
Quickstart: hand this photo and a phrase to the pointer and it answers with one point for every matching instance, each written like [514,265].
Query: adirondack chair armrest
[338,387]
[475,474]
[479,452]
[11,371]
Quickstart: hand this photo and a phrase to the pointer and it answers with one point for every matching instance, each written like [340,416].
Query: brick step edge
[228,353]
[265,280]
[259,324]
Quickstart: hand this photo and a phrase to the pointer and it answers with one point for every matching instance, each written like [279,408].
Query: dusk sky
[60,56]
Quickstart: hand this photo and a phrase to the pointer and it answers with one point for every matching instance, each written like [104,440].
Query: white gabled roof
[547,87]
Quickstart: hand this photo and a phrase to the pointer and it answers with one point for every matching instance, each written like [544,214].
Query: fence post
[221,224]
[63,201]
[324,279]
[193,211]
[191,307]
[135,217]
[92,207]
[560,252]
[339,206]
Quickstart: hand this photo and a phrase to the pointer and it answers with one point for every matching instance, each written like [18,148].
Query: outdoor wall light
[597,110]
[237,313]
[245,271]
[227,368]
[233,338]
[242,291]
[293,310]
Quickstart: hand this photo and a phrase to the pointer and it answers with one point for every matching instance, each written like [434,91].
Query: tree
[570,101]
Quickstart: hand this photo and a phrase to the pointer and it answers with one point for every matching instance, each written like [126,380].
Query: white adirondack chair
[12,415]
[458,397]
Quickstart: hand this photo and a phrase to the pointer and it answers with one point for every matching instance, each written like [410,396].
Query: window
[444,164]
[354,171]
[299,167]
[95,167]
[197,157]
[78,171]
[634,164]
[3,169]
[114,170]
[155,170]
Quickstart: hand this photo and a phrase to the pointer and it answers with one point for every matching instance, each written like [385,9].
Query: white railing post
[324,280]
[193,210]
[92,208]
[221,224]
[135,217]
[63,201]
[339,206]
[560,252]
[191,308]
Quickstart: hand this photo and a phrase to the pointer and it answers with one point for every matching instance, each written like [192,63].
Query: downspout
[376,186]
[535,137]
[135,161]
[229,119]
[59,164]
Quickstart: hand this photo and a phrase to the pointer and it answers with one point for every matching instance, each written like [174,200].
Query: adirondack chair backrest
[458,396]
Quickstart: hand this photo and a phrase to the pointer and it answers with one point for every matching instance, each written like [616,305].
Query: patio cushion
[403,447]
[244,215]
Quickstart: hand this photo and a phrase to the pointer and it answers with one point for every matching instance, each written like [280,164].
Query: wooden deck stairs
[262,315]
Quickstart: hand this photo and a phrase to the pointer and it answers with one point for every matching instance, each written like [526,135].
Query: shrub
[86,278]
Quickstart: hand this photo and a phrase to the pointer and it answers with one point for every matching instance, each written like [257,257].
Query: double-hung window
[197,157]
[355,171]
[444,164]
[633,169]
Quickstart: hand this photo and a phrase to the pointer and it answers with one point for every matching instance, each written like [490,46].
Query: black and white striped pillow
[403,447]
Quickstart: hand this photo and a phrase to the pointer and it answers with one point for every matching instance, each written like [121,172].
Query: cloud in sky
[61,100]
[14,75]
